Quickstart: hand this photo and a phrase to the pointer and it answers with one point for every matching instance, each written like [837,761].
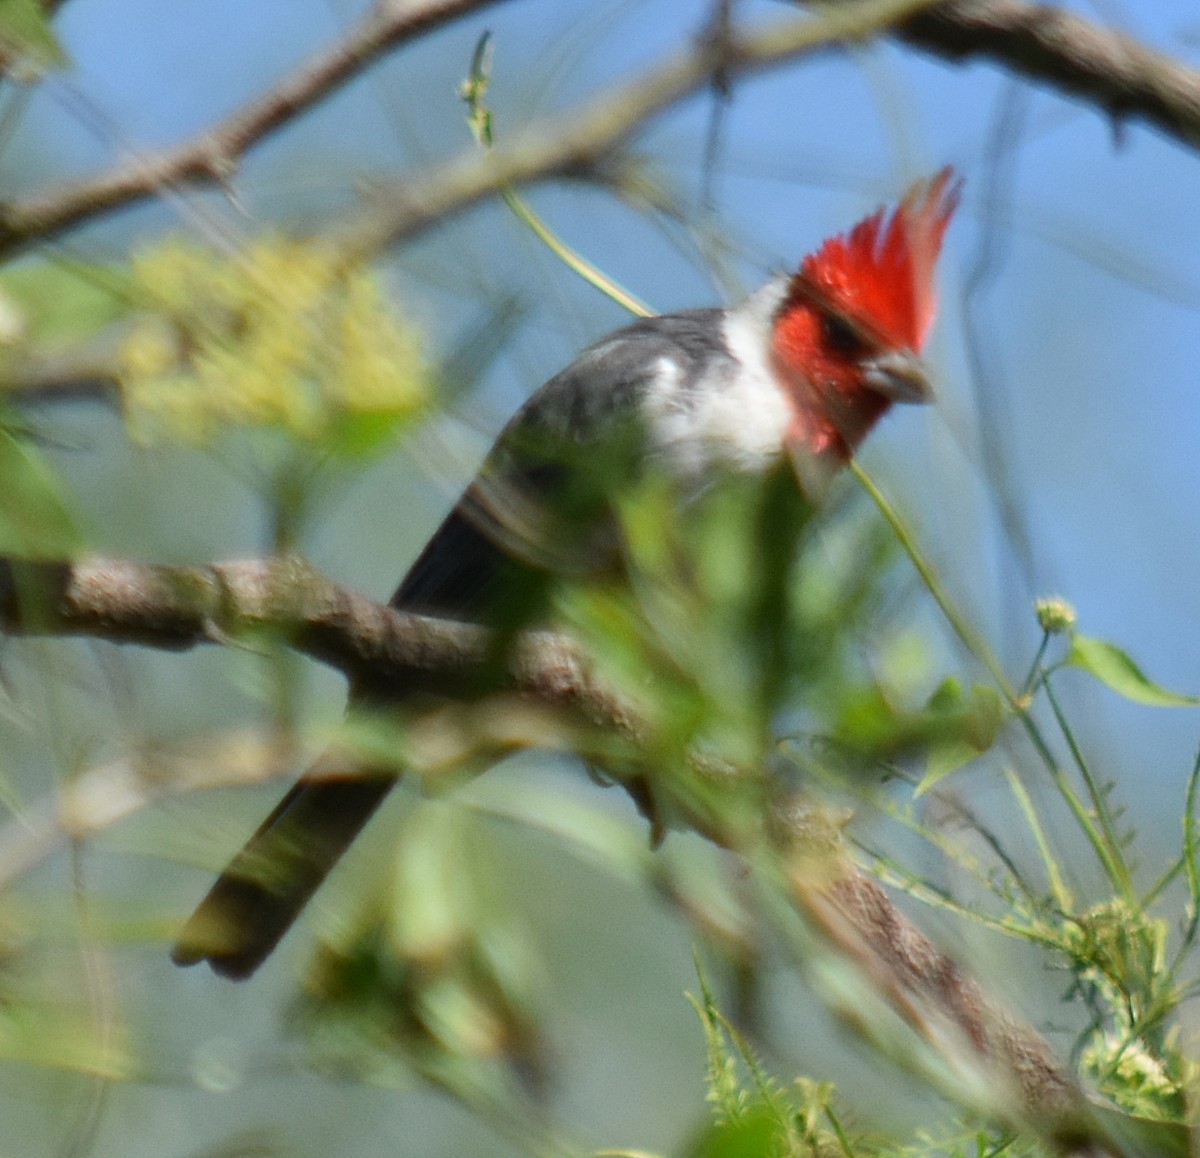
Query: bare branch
[1111,70]
[930,990]
[88,371]
[214,155]
[1115,72]
[572,144]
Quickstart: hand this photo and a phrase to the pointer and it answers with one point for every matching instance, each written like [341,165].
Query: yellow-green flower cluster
[280,334]
[1136,1079]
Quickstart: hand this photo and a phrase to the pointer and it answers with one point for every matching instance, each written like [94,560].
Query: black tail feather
[263,890]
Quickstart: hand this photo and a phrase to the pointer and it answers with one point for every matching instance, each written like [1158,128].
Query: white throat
[737,413]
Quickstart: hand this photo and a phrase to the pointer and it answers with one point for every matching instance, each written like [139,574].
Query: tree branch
[177,608]
[931,990]
[182,607]
[213,156]
[1109,69]
[90,370]
[573,143]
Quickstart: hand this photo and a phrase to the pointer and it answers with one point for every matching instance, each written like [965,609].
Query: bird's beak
[899,376]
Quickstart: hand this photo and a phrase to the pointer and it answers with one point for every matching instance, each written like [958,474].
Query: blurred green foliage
[767,651]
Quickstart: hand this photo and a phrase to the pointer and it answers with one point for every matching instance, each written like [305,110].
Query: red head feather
[881,272]
[862,297]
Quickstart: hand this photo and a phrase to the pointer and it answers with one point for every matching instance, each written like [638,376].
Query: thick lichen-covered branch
[176,608]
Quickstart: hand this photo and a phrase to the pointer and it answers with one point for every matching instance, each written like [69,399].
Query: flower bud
[1055,615]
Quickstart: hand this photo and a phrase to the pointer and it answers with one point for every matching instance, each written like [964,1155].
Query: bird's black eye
[842,337]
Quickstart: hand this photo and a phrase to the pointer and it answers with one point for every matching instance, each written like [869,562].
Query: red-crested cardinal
[804,367]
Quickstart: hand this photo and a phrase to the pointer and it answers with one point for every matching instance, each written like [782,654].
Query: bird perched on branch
[803,368]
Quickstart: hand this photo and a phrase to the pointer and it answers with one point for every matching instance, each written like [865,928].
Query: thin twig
[574,143]
[214,155]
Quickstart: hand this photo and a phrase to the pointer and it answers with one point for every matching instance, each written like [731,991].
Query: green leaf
[975,721]
[34,520]
[61,301]
[751,1135]
[943,760]
[984,716]
[26,34]
[1116,669]
[1140,1135]
[357,437]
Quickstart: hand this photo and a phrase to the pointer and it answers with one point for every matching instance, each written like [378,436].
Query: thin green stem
[1190,849]
[972,640]
[944,845]
[574,260]
[994,1151]
[839,1132]
[1190,869]
[991,840]
[893,873]
[953,851]
[482,125]
[1035,668]
[978,647]
[1188,992]
[1062,894]
[1124,881]
[1168,875]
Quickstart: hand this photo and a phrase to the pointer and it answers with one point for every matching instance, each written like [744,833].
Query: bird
[800,370]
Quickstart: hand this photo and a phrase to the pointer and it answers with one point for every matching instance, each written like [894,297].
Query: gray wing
[474,563]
